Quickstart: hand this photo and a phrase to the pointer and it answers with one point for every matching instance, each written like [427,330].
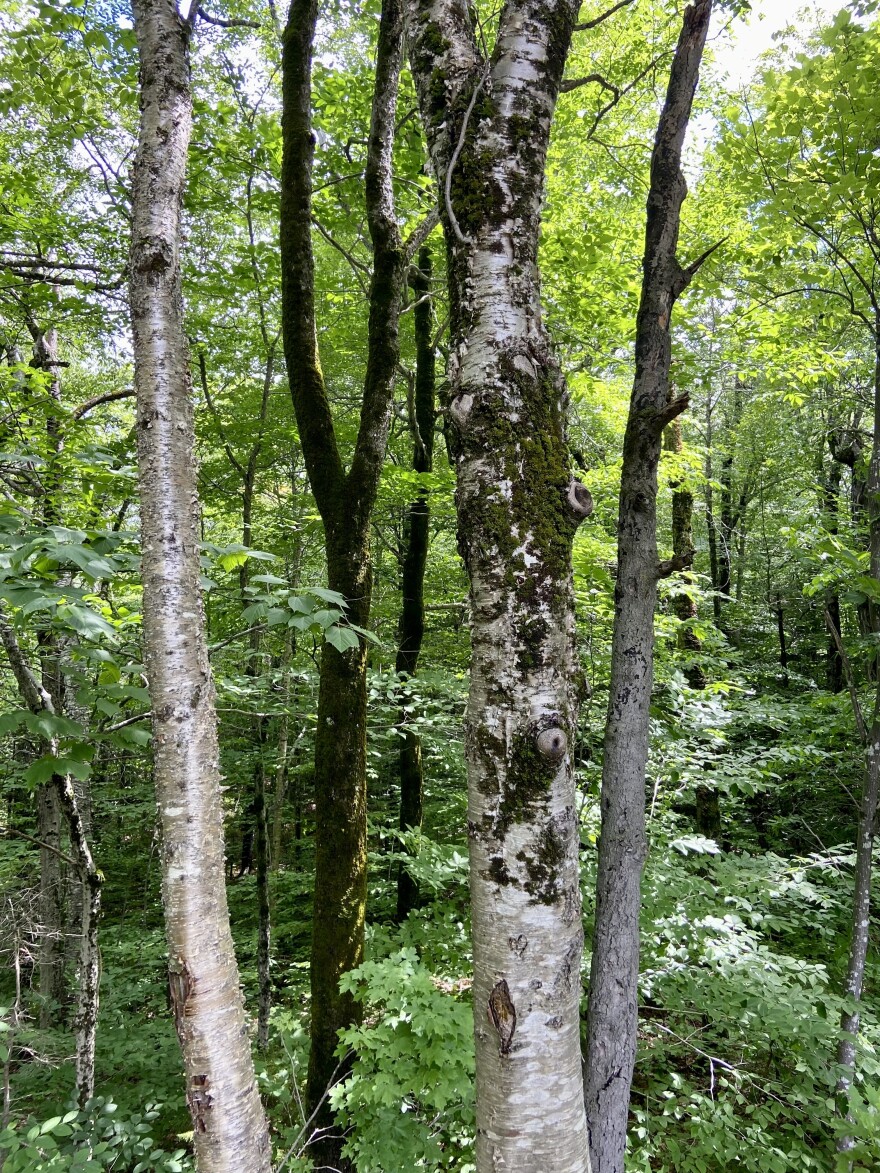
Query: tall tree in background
[613,1002]
[487,119]
[823,186]
[415,556]
[229,1129]
[345,501]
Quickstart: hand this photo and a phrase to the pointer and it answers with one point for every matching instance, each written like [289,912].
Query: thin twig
[848,676]
[459,146]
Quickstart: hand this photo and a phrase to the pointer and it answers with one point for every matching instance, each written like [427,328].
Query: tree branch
[586,25]
[98,400]
[222,23]
[848,676]
[32,692]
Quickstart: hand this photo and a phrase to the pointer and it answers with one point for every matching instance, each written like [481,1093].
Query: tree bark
[707,814]
[870,799]
[831,505]
[345,501]
[487,124]
[613,1001]
[51,904]
[229,1128]
[53,911]
[39,700]
[264,912]
[412,614]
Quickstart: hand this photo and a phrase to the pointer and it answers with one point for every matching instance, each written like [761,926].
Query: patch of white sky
[737,45]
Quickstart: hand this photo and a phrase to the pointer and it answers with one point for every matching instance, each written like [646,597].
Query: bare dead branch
[586,25]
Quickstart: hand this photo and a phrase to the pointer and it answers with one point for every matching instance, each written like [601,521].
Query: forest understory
[439,587]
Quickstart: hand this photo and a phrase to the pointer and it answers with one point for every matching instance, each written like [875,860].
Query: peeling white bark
[229,1129]
[515,531]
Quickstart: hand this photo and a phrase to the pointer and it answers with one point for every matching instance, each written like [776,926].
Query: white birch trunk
[229,1129]
[488,126]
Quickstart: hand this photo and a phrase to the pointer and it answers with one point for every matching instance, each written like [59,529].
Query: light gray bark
[38,700]
[488,123]
[51,961]
[230,1134]
[613,1004]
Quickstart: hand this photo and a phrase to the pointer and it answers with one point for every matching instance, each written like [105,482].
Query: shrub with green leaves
[409,1100]
[91,1141]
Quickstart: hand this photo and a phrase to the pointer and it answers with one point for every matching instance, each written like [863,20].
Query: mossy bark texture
[345,501]
[613,1002]
[487,122]
[229,1128]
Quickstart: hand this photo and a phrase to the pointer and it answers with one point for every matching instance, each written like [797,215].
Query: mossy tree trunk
[487,123]
[345,501]
[412,613]
[613,1001]
[230,1133]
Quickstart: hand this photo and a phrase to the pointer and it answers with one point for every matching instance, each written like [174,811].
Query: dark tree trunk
[261,836]
[783,644]
[831,502]
[412,614]
[345,501]
[613,1002]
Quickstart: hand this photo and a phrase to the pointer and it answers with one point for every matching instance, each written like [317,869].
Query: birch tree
[487,116]
[613,1004]
[229,1128]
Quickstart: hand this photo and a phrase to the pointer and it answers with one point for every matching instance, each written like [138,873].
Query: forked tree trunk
[613,1002]
[345,501]
[487,124]
[229,1128]
[412,613]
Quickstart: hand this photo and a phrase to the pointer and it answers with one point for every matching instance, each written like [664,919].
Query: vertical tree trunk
[412,615]
[279,790]
[830,503]
[783,643]
[867,822]
[345,501]
[39,700]
[264,924]
[707,809]
[487,124]
[613,1002]
[52,883]
[711,522]
[229,1128]
[51,904]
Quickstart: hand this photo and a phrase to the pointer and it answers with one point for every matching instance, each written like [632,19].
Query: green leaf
[341,638]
